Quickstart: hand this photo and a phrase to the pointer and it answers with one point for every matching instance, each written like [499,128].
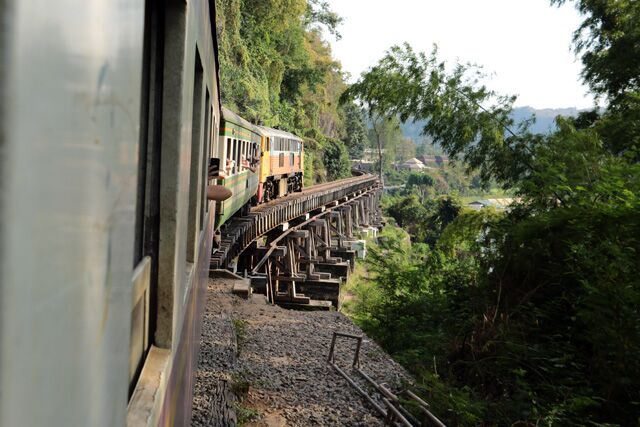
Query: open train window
[236,158]
[198,131]
[209,128]
[232,155]
[244,150]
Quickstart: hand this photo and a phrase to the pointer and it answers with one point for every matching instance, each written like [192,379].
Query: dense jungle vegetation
[525,317]
[276,70]
[531,316]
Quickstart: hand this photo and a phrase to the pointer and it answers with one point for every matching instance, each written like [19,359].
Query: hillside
[544,120]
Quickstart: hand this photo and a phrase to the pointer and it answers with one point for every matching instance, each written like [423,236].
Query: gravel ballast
[263,365]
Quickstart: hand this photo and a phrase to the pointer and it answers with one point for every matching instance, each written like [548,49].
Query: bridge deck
[240,232]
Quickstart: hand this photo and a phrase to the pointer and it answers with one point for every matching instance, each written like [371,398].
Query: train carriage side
[282,164]
[239,139]
[109,112]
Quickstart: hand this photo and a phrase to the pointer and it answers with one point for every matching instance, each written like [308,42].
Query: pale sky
[525,44]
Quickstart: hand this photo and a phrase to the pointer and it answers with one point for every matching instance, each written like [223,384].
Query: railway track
[240,232]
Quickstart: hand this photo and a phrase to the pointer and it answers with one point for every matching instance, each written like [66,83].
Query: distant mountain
[544,121]
[545,118]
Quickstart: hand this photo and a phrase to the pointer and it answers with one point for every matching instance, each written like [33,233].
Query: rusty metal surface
[395,414]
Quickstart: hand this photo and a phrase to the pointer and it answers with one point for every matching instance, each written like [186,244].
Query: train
[109,115]
[277,155]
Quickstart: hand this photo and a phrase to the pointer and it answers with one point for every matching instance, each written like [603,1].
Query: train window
[227,153]
[204,159]
[236,156]
[197,139]
[244,150]
[147,225]
[281,160]
[209,149]
[292,159]
[233,155]
[268,147]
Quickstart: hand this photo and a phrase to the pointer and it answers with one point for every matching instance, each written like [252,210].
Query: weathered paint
[70,126]
[70,85]
[243,186]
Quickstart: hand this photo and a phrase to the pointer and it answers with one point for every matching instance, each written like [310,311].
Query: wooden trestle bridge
[298,250]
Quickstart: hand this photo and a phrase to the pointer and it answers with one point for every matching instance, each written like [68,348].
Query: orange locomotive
[281,164]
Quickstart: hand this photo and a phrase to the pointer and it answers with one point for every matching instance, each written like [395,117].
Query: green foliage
[609,42]
[355,133]
[413,85]
[424,219]
[240,330]
[245,414]
[384,136]
[336,160]
[318,11]
[276,70]
[528,317]
[419,180]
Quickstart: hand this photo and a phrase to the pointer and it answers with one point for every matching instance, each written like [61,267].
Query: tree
[609,42]
[421,181]
[534,312]
[385,135]
[404,150]
[319,12]
[413,85]
[276,70]
[355,131]
[336,160]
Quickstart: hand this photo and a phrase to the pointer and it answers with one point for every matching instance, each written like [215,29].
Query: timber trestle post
[300,250]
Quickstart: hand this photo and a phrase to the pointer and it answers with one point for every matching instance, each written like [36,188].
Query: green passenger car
[239,140]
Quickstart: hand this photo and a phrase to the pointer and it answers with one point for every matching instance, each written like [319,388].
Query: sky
[525,45]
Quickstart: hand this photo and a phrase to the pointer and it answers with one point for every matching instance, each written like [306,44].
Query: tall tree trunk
[375,129]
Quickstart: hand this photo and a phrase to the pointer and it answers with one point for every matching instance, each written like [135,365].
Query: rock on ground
[261,365]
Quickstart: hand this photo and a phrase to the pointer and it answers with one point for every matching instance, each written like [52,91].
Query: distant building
[412,165]
[434,160]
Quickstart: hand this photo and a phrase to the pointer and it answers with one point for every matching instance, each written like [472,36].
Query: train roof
[280,133]
[232,117]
